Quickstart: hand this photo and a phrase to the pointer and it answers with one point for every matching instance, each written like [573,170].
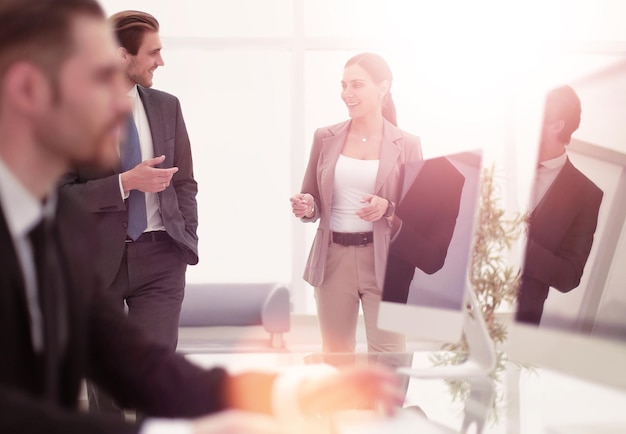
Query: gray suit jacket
[99,189]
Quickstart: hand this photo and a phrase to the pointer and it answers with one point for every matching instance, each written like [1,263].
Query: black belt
[150,237]
[353,238]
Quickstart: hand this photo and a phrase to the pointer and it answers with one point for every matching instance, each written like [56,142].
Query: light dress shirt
[546,174]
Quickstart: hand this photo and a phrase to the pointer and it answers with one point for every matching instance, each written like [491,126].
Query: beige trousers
[349,279]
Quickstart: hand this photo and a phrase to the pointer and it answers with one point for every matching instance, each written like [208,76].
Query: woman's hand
[302,205]
[375,208]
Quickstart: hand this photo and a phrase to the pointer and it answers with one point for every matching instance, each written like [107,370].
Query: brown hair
[130,27]
[562,103]
[40,31]
[379,70]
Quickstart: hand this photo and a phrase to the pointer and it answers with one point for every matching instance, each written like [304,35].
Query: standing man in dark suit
[145,208]
[144,264]
[564,211]
[61,104]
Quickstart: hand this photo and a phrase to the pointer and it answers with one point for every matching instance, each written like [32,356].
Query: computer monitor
[426,282]
[583,332]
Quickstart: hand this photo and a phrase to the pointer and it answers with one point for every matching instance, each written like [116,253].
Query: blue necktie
[130,154]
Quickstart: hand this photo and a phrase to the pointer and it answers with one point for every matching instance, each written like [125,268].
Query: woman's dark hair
[378,69]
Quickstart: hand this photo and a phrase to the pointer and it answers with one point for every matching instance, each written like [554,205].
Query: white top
[546,174]
[354,179]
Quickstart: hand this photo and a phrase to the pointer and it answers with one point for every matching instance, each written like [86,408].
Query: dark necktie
[53,303]
[130,155]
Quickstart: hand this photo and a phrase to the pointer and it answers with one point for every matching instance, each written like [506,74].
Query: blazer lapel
[155,120]
[559,191]
[8,257]
[331,149]
[389,151]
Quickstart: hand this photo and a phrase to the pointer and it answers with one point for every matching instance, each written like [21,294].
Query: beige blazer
[397,149]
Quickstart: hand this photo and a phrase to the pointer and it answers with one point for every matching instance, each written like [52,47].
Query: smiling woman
[351,184]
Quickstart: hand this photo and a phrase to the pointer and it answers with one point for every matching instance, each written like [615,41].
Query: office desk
[528,401]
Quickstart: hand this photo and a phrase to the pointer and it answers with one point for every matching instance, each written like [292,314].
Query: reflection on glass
[564,211]
[581,332]
[428,260]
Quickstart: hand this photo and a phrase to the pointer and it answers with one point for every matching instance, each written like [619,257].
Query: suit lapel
[559,191]
[389,152]
[8,258]
[155,120]
[331,149]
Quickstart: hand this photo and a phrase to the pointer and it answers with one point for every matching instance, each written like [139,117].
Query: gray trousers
[150,284]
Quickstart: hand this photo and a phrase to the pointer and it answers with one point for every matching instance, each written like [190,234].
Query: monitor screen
[427,270]
[571,310]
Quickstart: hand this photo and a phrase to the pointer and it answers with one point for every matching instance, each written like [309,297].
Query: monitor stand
[481,358]
[480,363]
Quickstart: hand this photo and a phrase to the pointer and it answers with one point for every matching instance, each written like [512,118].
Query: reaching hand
[352,387]
[148,178]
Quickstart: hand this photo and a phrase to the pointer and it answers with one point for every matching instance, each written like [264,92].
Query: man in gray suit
[145,209]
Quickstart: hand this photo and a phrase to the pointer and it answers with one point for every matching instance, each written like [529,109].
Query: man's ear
[28,88]
[557,126]
[123,53]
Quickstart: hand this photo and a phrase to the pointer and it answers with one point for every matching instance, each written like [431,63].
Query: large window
[257,77]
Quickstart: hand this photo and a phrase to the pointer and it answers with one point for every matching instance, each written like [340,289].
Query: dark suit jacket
[102,346]
[428,211]
[99,189]
[560,235]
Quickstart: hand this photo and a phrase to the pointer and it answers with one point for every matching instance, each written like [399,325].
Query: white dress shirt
[546,174]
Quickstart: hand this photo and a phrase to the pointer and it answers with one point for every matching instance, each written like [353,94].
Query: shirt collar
[22,210]
[555,163]
[133,93]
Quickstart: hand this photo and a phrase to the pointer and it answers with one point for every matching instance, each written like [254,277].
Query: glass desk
[527,401]
[426,400]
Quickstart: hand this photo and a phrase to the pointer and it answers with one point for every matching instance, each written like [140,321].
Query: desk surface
[528,401]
